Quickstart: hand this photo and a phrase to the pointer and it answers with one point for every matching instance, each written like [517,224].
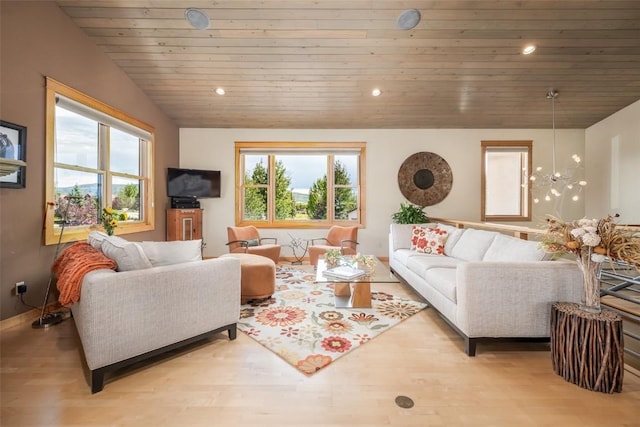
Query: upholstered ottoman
[257,277]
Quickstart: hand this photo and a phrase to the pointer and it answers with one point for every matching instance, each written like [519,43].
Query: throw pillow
[417,236]
[128,255]
[174,252]
[95,239]
[428,240]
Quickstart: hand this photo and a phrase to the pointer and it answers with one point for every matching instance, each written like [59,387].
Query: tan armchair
[247,240]
[343,238]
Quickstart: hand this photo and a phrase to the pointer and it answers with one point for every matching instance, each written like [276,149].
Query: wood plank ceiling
[313,63]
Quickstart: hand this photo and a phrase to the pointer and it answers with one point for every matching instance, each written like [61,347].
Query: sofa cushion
[473,244]
[174,252]
[428,240]
[128,255]
[420,263]
[403,255]
[443,280]
[453,235]
[507,248]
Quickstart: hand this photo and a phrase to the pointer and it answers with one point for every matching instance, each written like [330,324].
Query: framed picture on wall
[13,166]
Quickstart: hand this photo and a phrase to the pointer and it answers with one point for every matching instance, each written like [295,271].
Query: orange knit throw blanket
[71,267]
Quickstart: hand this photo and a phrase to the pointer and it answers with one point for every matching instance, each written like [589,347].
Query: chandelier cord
[553,94]
[553,122]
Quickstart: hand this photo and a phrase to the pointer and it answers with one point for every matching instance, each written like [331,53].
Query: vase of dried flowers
[593,241]
[591,282]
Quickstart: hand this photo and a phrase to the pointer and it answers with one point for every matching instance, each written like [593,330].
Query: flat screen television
[194,183]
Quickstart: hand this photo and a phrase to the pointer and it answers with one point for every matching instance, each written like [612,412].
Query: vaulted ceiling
[314,63]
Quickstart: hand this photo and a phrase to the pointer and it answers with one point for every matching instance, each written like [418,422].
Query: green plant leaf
[410,214]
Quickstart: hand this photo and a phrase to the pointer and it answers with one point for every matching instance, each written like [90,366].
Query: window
[296,184]
[97,157]
[506,195]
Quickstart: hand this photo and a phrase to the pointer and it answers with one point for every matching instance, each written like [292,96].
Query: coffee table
[355,293]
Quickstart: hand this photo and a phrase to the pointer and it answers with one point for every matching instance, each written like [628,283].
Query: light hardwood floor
[221,382]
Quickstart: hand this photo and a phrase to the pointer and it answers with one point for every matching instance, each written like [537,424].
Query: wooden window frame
[75,233]
[271,148]
[526,196]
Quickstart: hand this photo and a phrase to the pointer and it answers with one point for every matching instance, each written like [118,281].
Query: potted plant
[410,214]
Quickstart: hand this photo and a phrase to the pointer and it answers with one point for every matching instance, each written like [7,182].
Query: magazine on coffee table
[344,272]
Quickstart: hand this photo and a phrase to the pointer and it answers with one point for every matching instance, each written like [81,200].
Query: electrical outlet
[21,288]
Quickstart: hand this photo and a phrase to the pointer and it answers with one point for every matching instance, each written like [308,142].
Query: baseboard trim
[27,316]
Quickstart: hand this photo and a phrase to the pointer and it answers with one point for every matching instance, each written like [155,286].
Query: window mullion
[523,185]
[330,188]
[271,190]
[105,164]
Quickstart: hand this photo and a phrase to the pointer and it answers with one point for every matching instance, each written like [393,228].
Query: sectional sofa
[485,284]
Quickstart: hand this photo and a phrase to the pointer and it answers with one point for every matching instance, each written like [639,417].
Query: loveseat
[485,284]
[152,303]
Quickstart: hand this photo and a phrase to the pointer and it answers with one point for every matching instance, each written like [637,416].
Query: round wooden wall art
[425,178]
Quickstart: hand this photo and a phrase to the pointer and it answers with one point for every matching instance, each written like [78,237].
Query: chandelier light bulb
[576,158]
[570,186]
[575,198]
[539,168]
[547,198]
[582,183]
[536,200]
[532,178]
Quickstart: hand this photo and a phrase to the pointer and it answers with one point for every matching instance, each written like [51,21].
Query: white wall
[386,150]
[614,189]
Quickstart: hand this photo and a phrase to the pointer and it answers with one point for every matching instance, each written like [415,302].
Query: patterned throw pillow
[428,240]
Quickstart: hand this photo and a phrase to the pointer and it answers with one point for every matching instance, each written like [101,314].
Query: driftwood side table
[587,349]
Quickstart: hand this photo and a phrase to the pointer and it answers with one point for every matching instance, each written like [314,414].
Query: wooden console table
[587,349]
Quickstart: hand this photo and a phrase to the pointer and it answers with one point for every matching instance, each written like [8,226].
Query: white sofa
[486,284]
[123,317]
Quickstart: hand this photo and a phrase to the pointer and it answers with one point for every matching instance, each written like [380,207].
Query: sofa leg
[233,332]
[470,346]
[97,380]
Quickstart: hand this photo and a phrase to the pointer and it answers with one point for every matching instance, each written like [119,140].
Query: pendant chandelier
[554,184]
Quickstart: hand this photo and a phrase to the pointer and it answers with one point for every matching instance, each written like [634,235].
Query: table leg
[361,295]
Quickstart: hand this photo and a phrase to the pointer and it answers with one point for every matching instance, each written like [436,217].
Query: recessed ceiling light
[528,50]
[408,19]
[376,92]
[197,18]
[220,91]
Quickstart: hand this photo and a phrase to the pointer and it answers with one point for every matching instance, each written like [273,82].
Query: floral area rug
[301,324]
